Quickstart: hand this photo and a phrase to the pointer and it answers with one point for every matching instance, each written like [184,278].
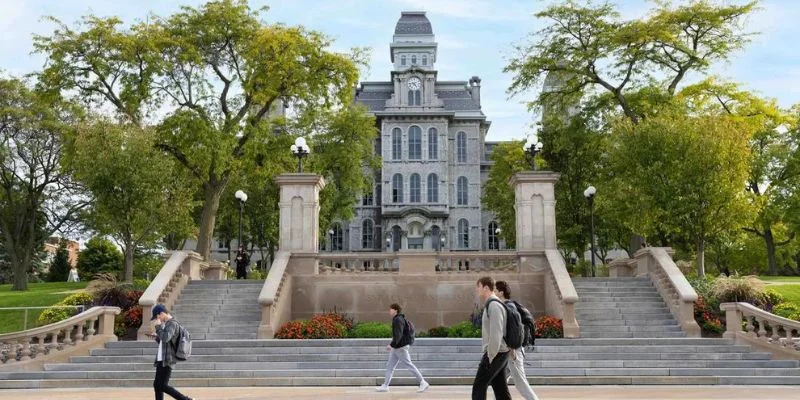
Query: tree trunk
[20,274]
[772,260]
[701,258]
[128,266]
[212,192]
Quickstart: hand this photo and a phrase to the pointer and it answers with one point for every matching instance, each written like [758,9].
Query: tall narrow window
[415,188]
[461,147]
[397,144]
[397,188]
[462,187]
[337,237]
[424,59]
[433,144]
[494,239]
[463,234]
[414,143]
[367,234]
[415,97]
[403,60]
[413,59]
[368,199]
[433,188]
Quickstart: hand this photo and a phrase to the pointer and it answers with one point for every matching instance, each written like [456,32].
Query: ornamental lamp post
[589,194]
[497,238]
[242,197]
[532,148]
[330,239]
[300,150]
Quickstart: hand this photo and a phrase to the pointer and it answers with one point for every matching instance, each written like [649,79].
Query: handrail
[672,285]
[269,291]
[25,318]
[71,321]
[163,279]
[683,288]
[563,281]
[783,346]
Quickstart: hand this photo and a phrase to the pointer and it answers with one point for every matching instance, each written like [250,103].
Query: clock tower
[413,54]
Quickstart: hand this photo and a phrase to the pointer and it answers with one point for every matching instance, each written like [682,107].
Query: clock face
[414,83]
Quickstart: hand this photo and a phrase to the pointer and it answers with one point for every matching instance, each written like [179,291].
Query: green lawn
[38,294]
[780,279]
[790,292]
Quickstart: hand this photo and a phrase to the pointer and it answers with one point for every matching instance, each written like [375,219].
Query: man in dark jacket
[398,350]
[166,333]
[242,262]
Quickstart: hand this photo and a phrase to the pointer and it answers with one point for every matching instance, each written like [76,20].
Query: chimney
[475,89]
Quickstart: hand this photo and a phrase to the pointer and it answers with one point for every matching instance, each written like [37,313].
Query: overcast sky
[475,37]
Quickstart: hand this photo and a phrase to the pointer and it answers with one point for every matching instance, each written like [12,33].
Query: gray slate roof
[454,100]
[413,23]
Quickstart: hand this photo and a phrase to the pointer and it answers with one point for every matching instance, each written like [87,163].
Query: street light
[531,149]
[330,239]
[589,194]
[242,197]
[300,150]
[497,238]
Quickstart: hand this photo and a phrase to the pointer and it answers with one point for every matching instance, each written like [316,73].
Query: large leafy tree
[59,266]
[139,194]
[37,195]
[100,255]
[498,196]
[217,74]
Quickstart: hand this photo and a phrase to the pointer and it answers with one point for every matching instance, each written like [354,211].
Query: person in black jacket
[398,350]
[166,332]
[242,262]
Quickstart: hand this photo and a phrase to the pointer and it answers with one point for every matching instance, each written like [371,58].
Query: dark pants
[161,384]
[494,374]
[241,272]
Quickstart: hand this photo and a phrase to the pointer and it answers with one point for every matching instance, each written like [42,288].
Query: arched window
[494,238]
[397,188]
[414,143]
[397,144]
[403,60]
[413,59]
[424,59]
[415,97]
[433,144]
[461,147]
[367,234]
[462,187]
[415,188]
[463,234]
[337,237]
[433,188]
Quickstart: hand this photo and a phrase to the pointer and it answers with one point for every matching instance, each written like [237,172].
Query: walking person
[166,334]
[402,339]
[516,366]
[242,262]
[492,369]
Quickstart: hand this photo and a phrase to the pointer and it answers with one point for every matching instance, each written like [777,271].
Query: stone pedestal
[299,212]
[535,205]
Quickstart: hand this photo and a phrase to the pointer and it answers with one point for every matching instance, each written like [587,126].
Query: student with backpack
[169,335]
[495,335]
[402,339]
[516,366]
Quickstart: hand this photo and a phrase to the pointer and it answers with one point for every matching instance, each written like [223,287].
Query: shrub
[256,275]
[53,315]
[365,330]
[108,291]
[141,284]
[549,327]
[292,330]
[340,317]
[464,329]
[324,327]
[772,299]
[713,325]
[738,289]
[795,316]
[786,310]
[438,332]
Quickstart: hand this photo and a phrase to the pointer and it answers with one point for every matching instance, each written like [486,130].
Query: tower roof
[413,23]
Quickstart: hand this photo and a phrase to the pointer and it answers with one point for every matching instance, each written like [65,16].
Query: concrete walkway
[435,393]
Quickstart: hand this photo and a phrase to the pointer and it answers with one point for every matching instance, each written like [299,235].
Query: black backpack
[410,330]
[515,333]
[528,323]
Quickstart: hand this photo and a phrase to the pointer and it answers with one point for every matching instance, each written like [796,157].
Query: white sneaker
[423,387]
[382,388]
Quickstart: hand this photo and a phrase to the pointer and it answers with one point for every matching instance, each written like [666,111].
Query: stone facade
[427,194]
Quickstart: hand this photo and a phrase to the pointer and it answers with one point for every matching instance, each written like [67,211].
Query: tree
[139,194]
[37,196]
[498,196]
[100,255]
[60,266]
[218,74]
[681,175]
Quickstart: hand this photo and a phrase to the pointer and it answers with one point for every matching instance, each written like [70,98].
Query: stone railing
[493,261]
[56,342]
[180,268]
[338,263]
[560,294]
[275,310]
[656,262]
[766,331]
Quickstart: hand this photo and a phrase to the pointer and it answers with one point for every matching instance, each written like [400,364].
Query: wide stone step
[628,322]
[600,290]
[616,297]
[592,285]
[632,334]
[622,328]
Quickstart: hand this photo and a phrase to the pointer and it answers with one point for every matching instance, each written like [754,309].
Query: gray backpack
[183,344]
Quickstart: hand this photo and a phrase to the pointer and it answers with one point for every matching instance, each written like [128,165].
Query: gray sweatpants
[516,369]
[400,356]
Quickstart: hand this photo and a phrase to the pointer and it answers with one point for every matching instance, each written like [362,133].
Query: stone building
[427,194]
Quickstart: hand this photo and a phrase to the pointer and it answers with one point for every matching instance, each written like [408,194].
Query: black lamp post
[300,150]
[589,194]
[242,197]
[497,239]
[531,149]
[330,239]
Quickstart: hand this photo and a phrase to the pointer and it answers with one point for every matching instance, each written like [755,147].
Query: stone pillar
[299,214]
[535,205]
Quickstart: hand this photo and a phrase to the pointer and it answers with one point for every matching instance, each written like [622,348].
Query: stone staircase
[220,309]
[623,308]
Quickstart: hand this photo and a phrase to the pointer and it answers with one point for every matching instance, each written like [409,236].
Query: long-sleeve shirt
[493,328]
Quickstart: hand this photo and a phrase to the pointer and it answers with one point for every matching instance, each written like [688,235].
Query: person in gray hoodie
[166,333]
[492,369]
[398,350]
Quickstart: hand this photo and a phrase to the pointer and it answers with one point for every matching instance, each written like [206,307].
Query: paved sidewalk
[435,393]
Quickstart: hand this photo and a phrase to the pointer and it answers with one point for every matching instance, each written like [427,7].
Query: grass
[791,293]
[37,295]
[780,279]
